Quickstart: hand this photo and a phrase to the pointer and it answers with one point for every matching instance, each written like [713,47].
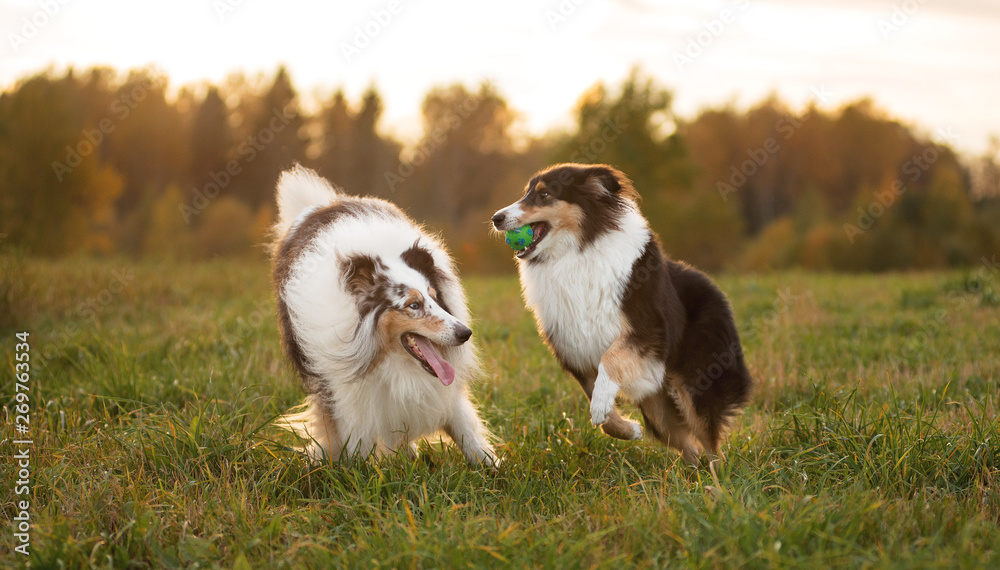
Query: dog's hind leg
[665,422]
[468,432]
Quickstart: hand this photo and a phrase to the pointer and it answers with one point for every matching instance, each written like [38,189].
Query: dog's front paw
[602,401]
[600,409]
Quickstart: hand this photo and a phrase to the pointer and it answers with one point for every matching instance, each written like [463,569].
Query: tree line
[99,162]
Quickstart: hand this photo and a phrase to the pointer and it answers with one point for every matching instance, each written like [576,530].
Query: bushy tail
[300,189]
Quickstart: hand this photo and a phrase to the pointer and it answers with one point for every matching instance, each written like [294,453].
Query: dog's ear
[611,180]
[421,260]
[360,273]
[605,176]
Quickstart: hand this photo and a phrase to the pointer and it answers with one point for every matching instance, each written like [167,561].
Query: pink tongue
[442,368]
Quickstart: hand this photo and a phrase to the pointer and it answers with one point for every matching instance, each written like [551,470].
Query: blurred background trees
[104,163]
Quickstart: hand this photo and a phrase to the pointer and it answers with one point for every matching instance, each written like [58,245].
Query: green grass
[873,438]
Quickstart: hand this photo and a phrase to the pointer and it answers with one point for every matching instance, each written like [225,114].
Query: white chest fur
[576,296]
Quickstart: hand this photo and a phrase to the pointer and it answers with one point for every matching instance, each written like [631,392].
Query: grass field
[873,438]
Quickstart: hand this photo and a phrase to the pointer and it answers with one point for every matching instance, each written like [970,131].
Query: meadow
[873,438]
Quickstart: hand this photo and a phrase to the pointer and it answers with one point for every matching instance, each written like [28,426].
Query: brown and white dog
[621,317]
[373,318]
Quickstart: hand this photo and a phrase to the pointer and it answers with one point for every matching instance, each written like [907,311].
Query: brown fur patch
[394,324]
[361,273]
[391,327]
[559,215]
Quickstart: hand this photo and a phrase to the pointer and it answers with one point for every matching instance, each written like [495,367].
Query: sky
[934,64]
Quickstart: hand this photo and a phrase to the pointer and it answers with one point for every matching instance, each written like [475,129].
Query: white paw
[602,401]
[600,409]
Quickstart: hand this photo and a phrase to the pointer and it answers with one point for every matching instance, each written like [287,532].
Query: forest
[103,162]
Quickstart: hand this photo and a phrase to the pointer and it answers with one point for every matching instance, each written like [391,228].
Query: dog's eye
[415,306]
[543,195]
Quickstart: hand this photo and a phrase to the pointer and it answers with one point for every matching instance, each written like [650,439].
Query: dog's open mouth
[427,355]
[540,230]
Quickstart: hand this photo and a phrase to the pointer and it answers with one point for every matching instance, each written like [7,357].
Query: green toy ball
[520,238]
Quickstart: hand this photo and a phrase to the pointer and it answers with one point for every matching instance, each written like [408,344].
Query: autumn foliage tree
[851,189]
[105,162]
[58,195]
[350,151]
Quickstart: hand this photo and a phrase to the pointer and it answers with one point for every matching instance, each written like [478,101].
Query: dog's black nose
[463,333]
[498,219]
